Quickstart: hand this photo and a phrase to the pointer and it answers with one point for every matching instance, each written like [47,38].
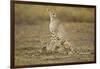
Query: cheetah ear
[48,10]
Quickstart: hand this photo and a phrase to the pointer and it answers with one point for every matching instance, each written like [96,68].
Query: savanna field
[32,33]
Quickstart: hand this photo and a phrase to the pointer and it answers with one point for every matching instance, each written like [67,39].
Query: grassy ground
[30,32]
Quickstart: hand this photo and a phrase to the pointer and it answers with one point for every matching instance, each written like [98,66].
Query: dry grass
[31,29]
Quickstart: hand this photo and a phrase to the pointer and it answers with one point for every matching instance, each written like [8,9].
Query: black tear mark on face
[53,13]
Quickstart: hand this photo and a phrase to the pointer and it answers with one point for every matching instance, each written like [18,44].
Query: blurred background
[27,13]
